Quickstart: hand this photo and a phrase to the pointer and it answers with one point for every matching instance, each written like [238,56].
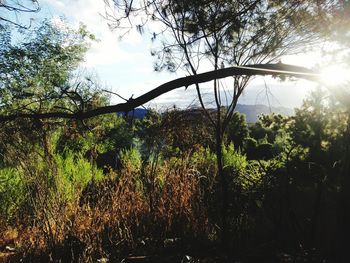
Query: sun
[335,75]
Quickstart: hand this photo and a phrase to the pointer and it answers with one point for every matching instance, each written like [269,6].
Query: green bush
[66,177]
[233,160]
[74,173]
[12,192]
[131,158]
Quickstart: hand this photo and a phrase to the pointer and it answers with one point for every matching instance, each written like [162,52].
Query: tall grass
[73,210]
[67,198]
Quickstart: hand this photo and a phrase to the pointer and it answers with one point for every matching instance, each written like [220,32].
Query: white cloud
[107,50]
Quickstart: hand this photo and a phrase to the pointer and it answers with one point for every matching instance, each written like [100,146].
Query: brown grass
[126,211]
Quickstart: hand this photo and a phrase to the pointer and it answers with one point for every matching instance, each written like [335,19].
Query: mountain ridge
[250,111]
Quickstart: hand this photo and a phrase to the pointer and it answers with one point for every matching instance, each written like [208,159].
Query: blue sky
[126,66]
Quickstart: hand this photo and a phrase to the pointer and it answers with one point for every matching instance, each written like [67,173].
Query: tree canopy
[40,73]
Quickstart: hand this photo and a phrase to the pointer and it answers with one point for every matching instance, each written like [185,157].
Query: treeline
[113,186]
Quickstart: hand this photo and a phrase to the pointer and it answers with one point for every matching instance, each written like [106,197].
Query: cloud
[107,50]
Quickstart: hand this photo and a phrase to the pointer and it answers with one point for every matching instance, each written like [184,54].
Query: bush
[12,192]
[74,173]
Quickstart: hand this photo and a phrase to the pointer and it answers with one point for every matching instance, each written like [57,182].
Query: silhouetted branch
[278,69]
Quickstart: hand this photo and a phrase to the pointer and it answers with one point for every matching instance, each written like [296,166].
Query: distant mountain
[138,113]
[251,111]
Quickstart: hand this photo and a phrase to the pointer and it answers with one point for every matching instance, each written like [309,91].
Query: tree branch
[259,69]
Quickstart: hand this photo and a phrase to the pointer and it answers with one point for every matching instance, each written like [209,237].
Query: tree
[223,33]
[237,130]
[39,73]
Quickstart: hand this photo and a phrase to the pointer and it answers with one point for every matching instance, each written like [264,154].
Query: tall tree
[203,33]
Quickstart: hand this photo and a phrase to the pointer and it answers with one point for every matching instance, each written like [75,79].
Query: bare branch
[15,7]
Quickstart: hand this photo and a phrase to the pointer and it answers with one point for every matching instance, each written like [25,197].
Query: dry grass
[127,211]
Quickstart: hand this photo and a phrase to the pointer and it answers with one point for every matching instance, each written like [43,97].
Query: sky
[125,66]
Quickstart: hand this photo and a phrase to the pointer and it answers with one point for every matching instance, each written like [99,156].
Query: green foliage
[237,130]
[319,127]
[74,173]
[270,136]
[37,70]
[233,160]
[63,178]
[204,160]
[243,174]
[12,192]
[116,133]
[130,158]
[100,134]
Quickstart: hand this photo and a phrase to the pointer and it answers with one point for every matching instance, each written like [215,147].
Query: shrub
[12,192]
[74,173]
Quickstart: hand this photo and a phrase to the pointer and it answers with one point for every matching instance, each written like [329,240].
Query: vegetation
[197,185]
[219,34]
[76,196]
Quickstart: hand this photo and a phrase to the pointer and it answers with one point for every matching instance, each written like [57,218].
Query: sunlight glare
[335,75]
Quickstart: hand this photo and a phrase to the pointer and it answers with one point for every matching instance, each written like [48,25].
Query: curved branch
[259,69]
